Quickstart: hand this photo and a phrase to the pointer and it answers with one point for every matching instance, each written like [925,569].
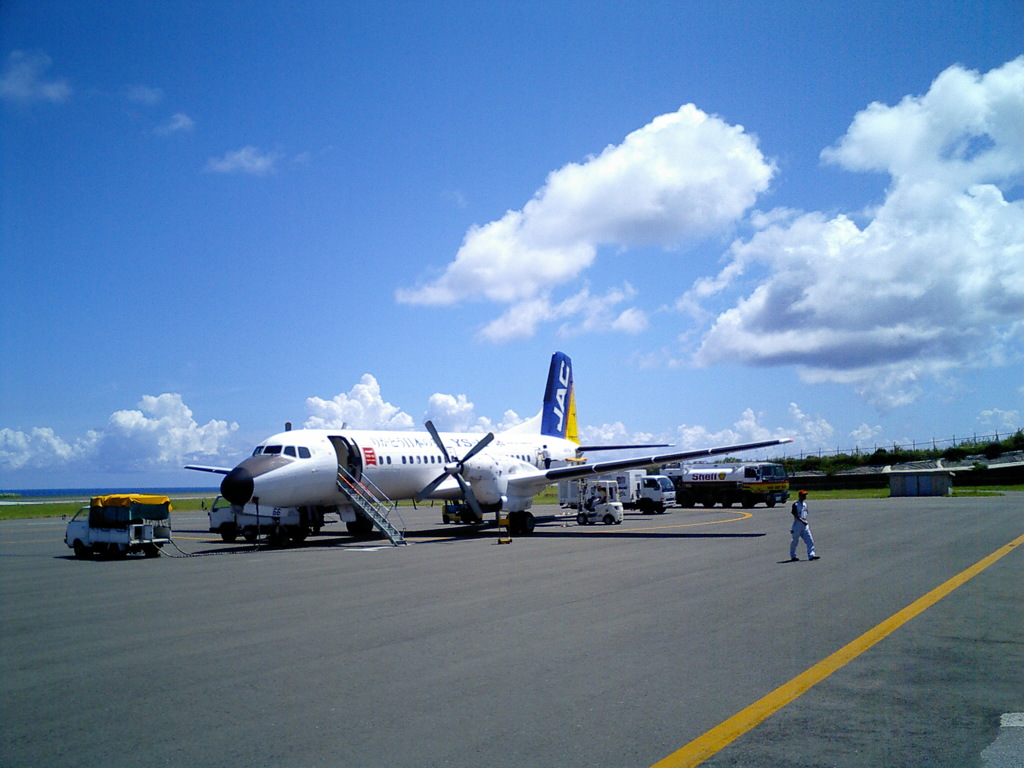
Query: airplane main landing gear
[521,523]
[361,526]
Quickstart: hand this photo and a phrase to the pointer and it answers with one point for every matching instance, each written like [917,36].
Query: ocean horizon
[88,493]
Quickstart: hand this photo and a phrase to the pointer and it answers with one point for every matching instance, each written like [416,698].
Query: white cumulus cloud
[451,413]
[456,413]
[1000,420]
[583,312]
[161,433]
[24,80]
[932,283]
[179,123]
[41,447]
[362,407]
[144,94]
[615,433]
[814,430]
[864,435]
[247,160]
[682,176]
[746,429]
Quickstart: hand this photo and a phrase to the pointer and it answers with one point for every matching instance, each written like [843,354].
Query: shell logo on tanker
[705,476]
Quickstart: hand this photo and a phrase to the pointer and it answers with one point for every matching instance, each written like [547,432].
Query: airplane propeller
[454,468]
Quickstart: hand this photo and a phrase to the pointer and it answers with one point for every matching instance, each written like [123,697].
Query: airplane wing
[525,483]
[592,448]
[200,468]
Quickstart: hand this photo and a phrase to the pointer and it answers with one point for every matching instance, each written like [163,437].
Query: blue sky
[740,219]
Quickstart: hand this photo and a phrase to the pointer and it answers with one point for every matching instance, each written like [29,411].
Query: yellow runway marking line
[703,747]
[742,516]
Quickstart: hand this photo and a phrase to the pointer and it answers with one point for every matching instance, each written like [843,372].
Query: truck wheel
[581,519]
[646,507]
[659,508]
[82,552]
[228,533]
[151,550]
[277,536]
[116,550]
[748,501]
[249,533]
[770,503]
[708,503]
[609,519]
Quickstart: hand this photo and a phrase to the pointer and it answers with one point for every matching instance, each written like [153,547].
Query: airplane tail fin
[558,417]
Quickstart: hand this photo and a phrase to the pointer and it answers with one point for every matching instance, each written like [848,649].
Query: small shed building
[921,482]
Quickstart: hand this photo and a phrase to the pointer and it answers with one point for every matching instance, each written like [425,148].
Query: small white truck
[278,524]
[120,524]
[598,502]
[651,494]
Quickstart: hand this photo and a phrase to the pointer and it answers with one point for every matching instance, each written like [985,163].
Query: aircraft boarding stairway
[372,503]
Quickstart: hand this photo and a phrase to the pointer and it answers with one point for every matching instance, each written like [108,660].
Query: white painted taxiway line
[1007,751]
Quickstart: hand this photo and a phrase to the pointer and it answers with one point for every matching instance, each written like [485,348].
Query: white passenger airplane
[322,468]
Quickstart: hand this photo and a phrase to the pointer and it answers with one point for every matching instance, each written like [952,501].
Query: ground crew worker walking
[801,529]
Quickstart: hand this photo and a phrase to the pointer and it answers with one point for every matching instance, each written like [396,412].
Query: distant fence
[914,445]
[841,482]
[963,478]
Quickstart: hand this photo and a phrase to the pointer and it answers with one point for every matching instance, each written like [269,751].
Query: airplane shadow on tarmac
[612,533]
[448,534]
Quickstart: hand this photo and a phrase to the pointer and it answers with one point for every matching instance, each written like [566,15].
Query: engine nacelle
[489,478]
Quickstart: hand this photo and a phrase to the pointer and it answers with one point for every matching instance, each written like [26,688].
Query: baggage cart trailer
[120,524]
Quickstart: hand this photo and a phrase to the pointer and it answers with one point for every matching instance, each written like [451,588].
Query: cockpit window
[304,452]
[289,451]
[257,450]
[272,449]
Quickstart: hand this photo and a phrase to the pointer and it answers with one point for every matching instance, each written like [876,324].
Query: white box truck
[651,494]
[278,524]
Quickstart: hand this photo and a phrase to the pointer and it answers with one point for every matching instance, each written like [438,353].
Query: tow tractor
[459,512]
[602,503]
[120,524]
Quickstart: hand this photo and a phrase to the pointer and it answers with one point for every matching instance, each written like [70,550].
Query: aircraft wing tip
[201,468]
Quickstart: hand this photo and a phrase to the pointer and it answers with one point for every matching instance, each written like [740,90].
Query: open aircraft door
[348,455]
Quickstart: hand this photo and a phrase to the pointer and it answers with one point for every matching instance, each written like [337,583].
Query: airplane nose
[237,486]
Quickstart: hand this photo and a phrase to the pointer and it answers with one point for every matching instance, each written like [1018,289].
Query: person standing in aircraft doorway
[801,529]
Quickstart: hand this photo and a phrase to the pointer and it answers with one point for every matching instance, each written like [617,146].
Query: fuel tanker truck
[728,484]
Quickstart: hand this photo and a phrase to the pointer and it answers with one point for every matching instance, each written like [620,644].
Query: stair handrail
[369,492]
